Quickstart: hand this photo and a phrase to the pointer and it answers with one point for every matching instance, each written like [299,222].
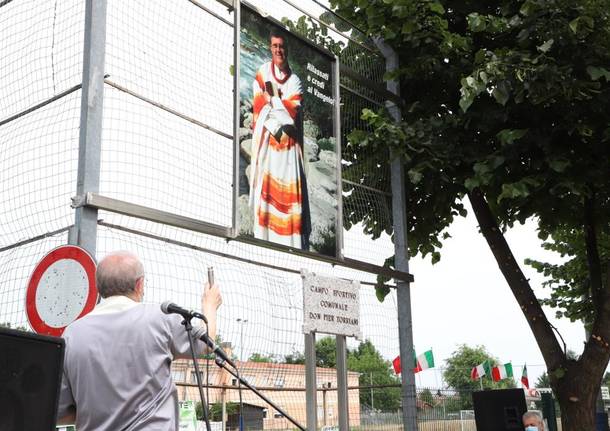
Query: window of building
[194,377]
[178,375]
[250,379]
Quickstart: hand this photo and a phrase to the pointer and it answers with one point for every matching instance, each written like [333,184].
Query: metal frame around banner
[88,201]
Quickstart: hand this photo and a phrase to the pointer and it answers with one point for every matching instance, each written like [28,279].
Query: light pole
[242,322]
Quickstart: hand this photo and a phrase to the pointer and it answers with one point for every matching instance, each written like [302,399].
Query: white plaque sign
[605,393]
[331,305]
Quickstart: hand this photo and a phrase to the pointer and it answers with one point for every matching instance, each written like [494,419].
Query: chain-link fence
[167,144]
[437,409]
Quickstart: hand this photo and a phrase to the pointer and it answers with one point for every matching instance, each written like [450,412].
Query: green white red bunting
[524,380]
[501,372]
[420,363]
[396,364]
[480,370]
[424,361]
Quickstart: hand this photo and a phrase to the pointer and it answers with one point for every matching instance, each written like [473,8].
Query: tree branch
[597,348]
[593,262]
[522,291]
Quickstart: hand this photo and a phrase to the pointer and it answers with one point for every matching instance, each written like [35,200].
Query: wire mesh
[42,50]
[168,109]
[41,65]
[269,297]
[38,158]
[174,53]
[167,144]
[16,267]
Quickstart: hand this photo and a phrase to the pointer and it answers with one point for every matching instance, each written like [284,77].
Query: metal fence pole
[90,135]
[401,261]
[236,112]
[310,382]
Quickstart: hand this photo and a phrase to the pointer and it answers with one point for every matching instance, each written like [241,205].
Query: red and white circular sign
[61,290]
[532,393]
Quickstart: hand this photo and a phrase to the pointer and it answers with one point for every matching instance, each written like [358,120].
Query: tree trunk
[578,416]
[574,382]
[577,392]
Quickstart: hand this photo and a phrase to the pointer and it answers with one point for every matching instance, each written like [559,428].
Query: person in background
[118,357]
[532,421]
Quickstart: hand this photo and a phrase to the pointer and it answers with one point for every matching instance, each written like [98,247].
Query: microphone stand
[204,407]
[244,382]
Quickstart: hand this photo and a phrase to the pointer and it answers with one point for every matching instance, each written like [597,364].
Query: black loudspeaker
[499,410]
[31,368]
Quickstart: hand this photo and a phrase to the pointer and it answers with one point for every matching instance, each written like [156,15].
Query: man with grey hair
[532,421]
[118,357]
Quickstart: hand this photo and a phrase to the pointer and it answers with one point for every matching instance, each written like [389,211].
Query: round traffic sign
[61,290]
[533,393]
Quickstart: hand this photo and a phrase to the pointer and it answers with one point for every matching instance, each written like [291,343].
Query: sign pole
[310,382]
[330,305]
[342,396]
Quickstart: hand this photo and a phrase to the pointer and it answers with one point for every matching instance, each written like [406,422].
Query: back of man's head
[117,274]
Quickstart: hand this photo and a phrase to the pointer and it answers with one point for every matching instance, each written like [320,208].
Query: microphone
[217,350]
[170,308]
[211,275]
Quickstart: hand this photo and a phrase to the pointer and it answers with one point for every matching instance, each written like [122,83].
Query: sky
[464,299]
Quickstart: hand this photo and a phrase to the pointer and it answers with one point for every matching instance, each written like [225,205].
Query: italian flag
[524,378]
[479,371]
[424,361]
[396,364]
[501,372]
[420,363]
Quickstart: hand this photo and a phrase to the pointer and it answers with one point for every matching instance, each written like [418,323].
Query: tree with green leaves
[295,357]
[9,326]
[375,371]
[426,396]
[373,368]
[543,381]
[507,105]
[569,281]
[259,357]
[459,366]
[326,352]
[215,412]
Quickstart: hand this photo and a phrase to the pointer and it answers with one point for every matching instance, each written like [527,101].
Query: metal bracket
[78,201]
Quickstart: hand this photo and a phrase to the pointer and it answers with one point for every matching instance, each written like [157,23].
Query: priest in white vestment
[278,188]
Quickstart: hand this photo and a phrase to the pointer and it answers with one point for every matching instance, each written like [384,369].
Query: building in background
[284,384]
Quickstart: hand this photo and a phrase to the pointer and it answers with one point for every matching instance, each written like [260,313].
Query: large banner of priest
[289,170]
